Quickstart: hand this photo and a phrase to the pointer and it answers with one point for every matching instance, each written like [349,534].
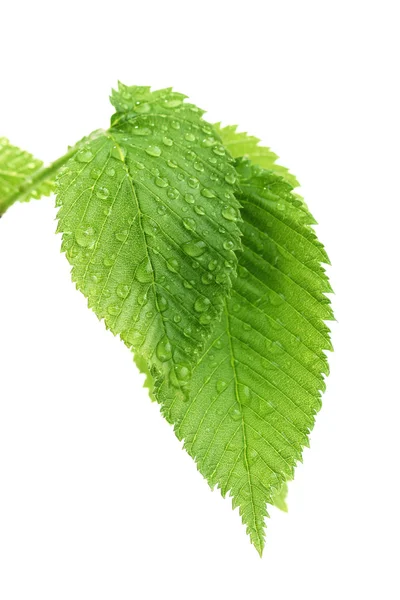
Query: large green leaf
[256,388]
[18,173]
[150,226]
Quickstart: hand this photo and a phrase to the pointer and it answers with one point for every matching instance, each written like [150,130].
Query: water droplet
[190,224]
[205,319]
[202,304]
[235,413]
[162,303]
[212,265]
[229,213]
[164,350]
[175,125]
[118,152]
[207,193]
[110,172]
[189,137]
[193,182]
[113,309]
[109,261]
[122,235]
[207,278]
[142,298]
[144,272]
[102,193]
[173,193]
[161,210]
[246,393]
[189,198]
[160,182]
[142,107]
[219,150]
[230,178]
[173,265]
[228,245]
[194,249]
[85,237]
[221,385]
[84,155]
[141,130]
[95,173]
[172,102]
[199,210]
[177,318]
[221,278]
[123,290]
[208,142]
[182,372]
[198,166]
[167,141]
[153,151]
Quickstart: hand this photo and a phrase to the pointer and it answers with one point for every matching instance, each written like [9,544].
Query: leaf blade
[256,388]
[165,203]
[17,167]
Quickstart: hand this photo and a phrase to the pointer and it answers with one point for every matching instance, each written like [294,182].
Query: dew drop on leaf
[85,237]
[202,304]
[102,193]
[173,265]
[207,278]
[123,290]
[207,193]
[162,303]
[144,272]
[189,198]
[194,249]
[221,385]
[229,213]
[189,224]
[228,245]
[121,235]
[84,156]
[164,350]
[153,151]
[160,182]
[230,178]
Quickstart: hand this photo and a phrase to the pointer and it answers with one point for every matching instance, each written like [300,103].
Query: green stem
[44,174]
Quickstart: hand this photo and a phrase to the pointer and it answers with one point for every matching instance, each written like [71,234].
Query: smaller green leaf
[240,144]
[19,171]
[279,500]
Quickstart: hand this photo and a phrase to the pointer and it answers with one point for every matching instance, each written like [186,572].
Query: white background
[97,500]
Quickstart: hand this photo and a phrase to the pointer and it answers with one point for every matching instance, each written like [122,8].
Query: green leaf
[240,144]
[150,226]
[256,388]
[18,173]
[279,500]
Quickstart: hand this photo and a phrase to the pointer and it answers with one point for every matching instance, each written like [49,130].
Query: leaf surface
[150,226]
[256,388]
